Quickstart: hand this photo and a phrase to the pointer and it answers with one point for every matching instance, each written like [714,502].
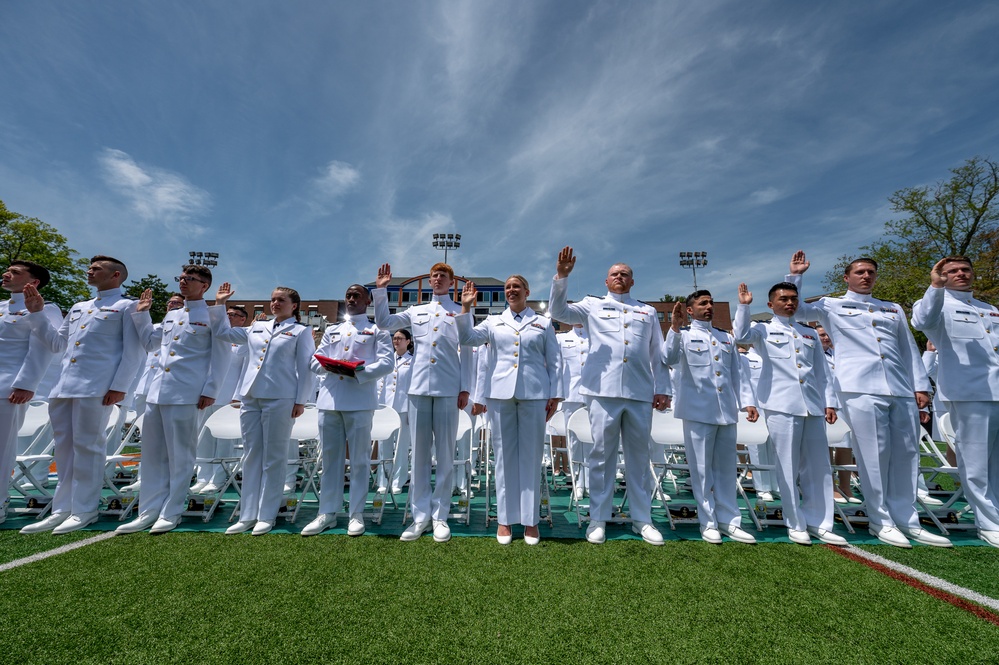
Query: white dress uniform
[393,390]
[878,370]
[23,363]
[574,345]
[711,389]
[193,362]
[440,371]
[763,481]
[522,371]
[277,377]
[965,331]
[794,390]
[346,405]
[209,447]
[102,353]
[623,373]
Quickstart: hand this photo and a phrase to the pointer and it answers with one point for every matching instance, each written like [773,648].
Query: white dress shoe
[210,488]
[738,534]
[840,500]
[382,489]
[924,537]
[504,540]
[356,525]
[75,523]
[765,496]
[711,535]
[134,487]
[198,487]
[240,527]
[47,524]
[828,537]
[442,532]
[262,527]
[990,537]
[649,533]
[799,537]
[414,531]
[596,533]
[320,524]
[3,513]
[396,490]
[532,540]
[141,523]
[889,535]
[929,500]
[165,524]
[289,488]
[578,492]
[853,499]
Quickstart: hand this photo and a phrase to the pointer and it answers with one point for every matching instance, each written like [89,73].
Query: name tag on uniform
[850,307]
[258,332]
[964,311]
[613,309]
[776,334]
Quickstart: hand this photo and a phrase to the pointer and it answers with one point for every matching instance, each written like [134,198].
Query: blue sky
[308,142]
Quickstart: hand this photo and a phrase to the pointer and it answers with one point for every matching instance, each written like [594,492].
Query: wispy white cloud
[155,194]
[765,196]
[335,180]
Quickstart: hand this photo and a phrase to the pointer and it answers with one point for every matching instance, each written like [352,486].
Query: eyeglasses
[188,278]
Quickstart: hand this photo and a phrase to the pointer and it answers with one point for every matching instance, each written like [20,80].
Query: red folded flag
[344,367]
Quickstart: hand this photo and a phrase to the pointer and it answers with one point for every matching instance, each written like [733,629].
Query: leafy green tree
[161,294]
[957,216]
[30,239]
[671,298]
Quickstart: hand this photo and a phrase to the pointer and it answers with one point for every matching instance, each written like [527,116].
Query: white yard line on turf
[928,579]
[59,550]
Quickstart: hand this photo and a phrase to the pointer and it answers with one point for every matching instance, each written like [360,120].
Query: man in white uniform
[102,356]
[965,331]
[346,407]
[623,380]
[711,389]
[193,364]
[441,378]
[23,363]
[796,394]
[881,385]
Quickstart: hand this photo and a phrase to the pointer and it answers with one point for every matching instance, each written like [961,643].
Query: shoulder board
[724,332]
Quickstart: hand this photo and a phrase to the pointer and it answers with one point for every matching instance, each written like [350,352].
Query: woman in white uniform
[394,391]
[522,390]
[276,385]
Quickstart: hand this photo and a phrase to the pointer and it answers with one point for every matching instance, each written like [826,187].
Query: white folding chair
[668,446]
[31,471]
[305,430]
[223,424]
[118,466]
[838,436]
[385,424]
[939,464]
[463,465]
[754,434]
[556,429]
[579,425]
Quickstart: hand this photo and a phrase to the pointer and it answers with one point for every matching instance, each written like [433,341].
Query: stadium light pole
[446,242]
[207,259]
[694,260]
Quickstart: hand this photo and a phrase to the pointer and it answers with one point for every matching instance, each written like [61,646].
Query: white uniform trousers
[614,419]
[337,429]
[169,441]
[78,425]
[886,447]
[579,452]
[11,419]
[266,428]
[397,450]
[976,426]
[209,448]
[802,463]
[518,447]
[433,426]
[763,481]
[711,458]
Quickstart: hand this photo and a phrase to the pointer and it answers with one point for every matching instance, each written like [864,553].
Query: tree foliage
[957,216]
[161,294]
[30,239]
[671,298]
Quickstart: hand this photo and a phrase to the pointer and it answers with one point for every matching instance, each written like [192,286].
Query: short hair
[781,286]
[863,259]
[958,259]
[519,278]
[442,267]
[622,263]
[36,270]
[200,271]
[118,265]
[240,309]
[363,288]
[294,297]
[697,294]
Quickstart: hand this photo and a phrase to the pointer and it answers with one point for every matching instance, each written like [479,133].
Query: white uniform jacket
[355,339]
[966,334]
[711,386]
[25,358]
[794,375]
[393,388]
[574,346]
[193,360]
[229,391]
[875,351]
[522,359]
[102,351]
[625,357]
[278,357]
[440,367]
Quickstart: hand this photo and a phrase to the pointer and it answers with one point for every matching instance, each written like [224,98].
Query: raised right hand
[745,295]
[145,301]
[224,293]
[33,301]
[799,264]
[937,277]
[468,294]
[384,276]
[679,318]
[566,262]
